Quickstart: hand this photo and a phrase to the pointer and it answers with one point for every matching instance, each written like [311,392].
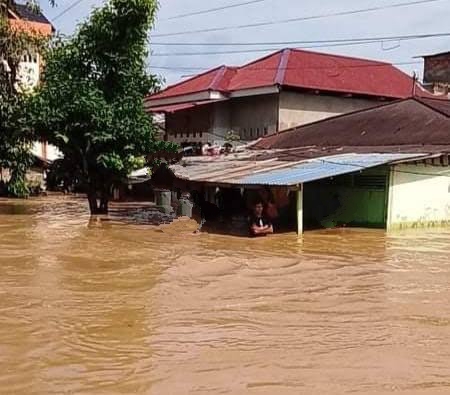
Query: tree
[90,103]
[15,135]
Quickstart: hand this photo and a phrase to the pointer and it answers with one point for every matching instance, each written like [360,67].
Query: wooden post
[300,211]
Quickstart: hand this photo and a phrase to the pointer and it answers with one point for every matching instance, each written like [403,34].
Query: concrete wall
[221,121]
[255,116]
[437,69]
[299,108]
[419,200]
[191,125]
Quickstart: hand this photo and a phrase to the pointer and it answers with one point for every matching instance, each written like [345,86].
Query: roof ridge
[421,101]
[218,78]
[148,97]
[342,56]
[281,72]
[261,59]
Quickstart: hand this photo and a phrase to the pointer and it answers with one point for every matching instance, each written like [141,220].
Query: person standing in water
[259,225]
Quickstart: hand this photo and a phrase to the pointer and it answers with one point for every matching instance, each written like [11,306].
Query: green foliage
[90,102]
[15,142]
[15,133]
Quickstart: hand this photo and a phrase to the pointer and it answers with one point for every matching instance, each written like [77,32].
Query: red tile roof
[300,69]
[217,79]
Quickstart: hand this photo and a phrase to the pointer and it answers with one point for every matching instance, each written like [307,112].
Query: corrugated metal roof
[320,168]
[275,172]
[405,122]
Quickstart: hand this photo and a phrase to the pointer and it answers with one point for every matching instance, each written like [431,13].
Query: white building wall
[29,76]
[419,196]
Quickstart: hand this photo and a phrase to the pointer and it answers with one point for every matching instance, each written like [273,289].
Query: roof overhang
[274,172]
[192,97]
[173,108]
[266,90]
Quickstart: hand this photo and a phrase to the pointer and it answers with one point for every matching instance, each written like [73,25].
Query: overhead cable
[67,9]
[298,19]
[333,67]
[211,10]
[296,42]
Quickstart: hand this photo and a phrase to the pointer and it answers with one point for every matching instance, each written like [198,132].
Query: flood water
[123,307]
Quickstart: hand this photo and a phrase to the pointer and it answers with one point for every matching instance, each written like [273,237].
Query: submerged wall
[419,196]
[352,200]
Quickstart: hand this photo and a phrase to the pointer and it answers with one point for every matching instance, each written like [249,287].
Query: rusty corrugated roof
[409,122]
[255,171]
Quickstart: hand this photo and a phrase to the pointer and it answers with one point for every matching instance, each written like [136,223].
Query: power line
[307,18]
[292,68]
[211,10]
[66,10]
[271,49]
[342,40]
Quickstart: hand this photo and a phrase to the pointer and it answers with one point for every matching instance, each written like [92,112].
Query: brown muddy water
[121,307]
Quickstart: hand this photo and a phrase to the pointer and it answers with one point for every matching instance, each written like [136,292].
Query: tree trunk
[97,206]
[104,205]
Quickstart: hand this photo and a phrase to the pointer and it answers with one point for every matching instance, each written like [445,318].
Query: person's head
[258,208]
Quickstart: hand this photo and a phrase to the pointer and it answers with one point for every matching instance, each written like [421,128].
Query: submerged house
[285,89]
[385,167]
[27,19]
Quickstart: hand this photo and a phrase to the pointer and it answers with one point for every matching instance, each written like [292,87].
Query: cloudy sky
[415,19]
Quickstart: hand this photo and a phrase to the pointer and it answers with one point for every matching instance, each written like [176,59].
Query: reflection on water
[123,307]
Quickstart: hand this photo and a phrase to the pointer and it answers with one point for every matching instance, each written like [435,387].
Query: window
[201,134]
[258,132]
[265,131]
[251,132]
[195,134]
[187,134]
[175,135]
[181,134]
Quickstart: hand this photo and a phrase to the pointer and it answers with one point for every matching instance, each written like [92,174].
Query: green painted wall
[355,200]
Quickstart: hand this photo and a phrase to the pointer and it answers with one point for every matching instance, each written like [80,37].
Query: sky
[415,19]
